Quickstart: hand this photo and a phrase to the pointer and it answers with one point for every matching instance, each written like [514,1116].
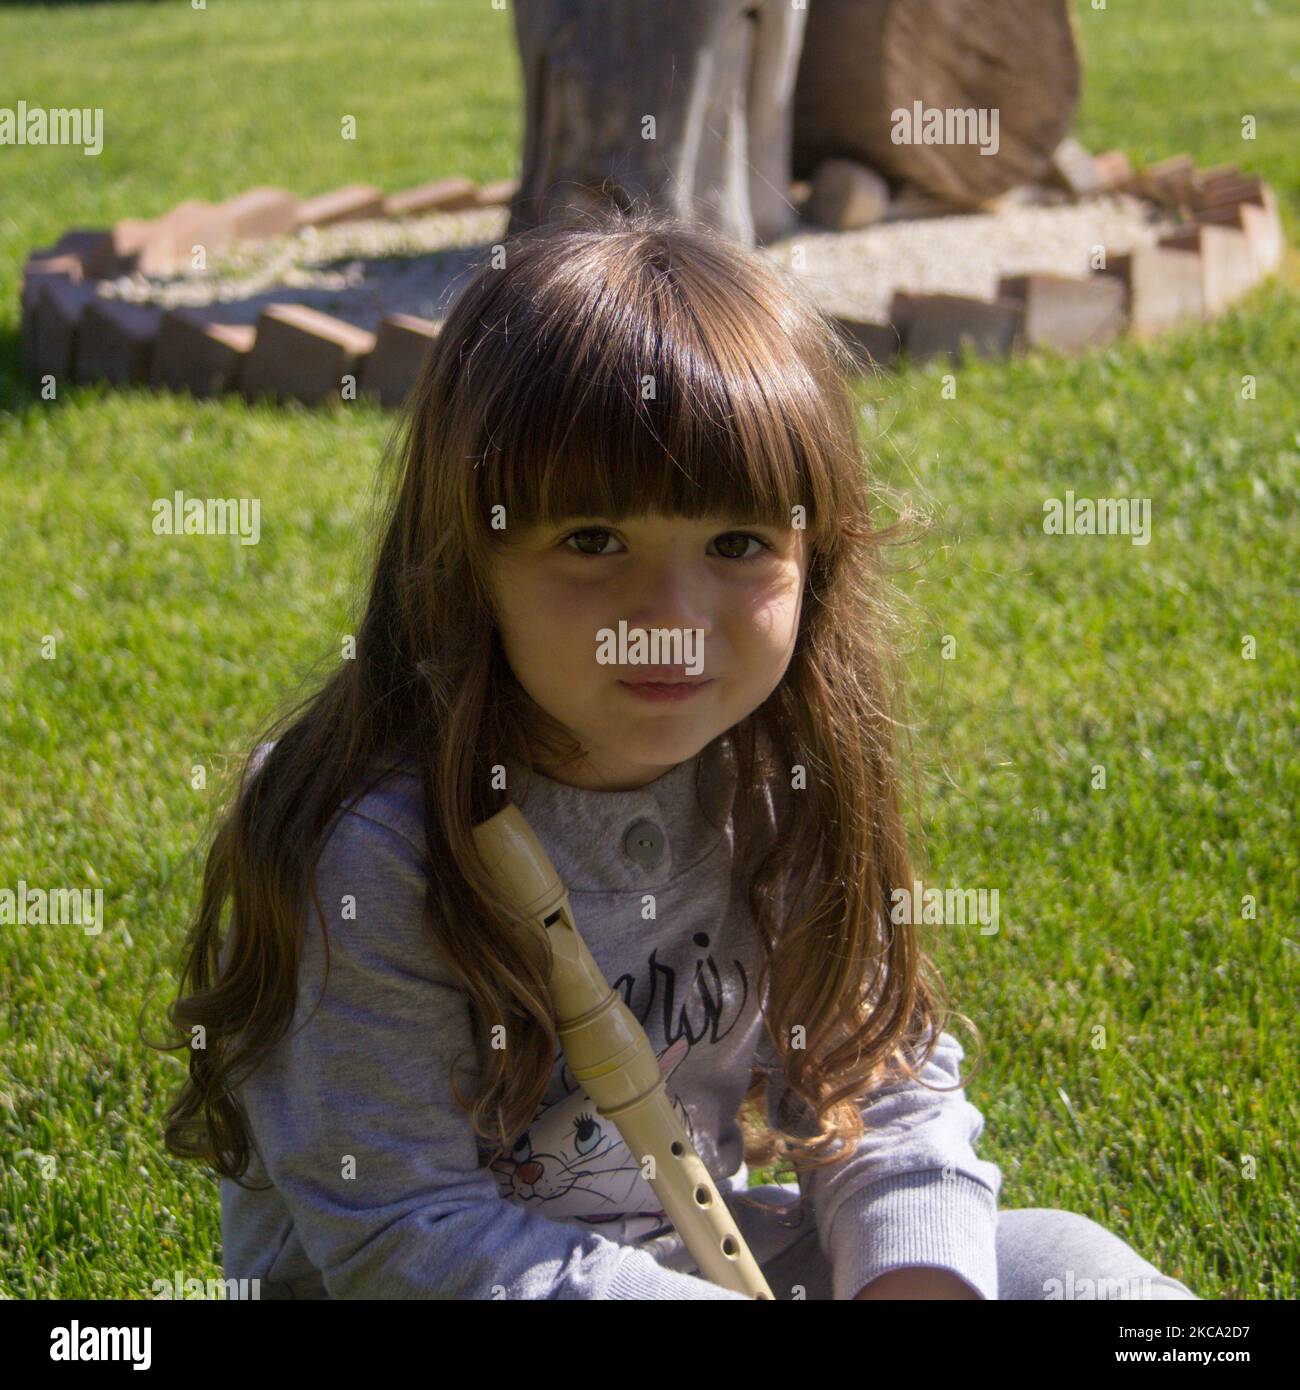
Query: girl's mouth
[665,690]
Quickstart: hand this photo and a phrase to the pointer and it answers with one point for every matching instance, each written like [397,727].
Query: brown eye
[584,536]
[740,539]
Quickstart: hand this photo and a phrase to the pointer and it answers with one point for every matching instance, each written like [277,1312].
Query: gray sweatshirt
[380,1185]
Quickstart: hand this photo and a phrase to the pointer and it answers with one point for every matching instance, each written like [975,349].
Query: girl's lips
[664,690]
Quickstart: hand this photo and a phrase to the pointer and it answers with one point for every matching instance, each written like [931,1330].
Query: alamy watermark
[946,125]
[208,516]
[58,125]
[53,907]
[1101,516]
[656,646]
[1136,1286]
[77,1343]
[956,907]
[178,1286]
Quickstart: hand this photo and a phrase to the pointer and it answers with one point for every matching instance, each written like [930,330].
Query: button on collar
[644,843]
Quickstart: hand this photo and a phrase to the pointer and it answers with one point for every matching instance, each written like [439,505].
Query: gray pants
[1042,1253]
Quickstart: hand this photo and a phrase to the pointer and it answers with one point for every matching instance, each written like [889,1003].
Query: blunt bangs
[636,387]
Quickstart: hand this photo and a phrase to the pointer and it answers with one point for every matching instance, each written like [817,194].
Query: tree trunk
[866,60]
[683,105]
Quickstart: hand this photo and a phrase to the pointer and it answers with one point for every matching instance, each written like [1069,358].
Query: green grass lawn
[1120,907]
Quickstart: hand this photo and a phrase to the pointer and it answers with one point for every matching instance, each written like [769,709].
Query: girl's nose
[671,596]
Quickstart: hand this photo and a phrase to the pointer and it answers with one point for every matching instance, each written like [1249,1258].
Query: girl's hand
[917,1281]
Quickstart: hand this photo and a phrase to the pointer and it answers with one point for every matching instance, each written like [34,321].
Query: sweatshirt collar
[619,842]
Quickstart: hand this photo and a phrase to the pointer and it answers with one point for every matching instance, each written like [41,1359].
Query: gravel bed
[361,271]
[856,273]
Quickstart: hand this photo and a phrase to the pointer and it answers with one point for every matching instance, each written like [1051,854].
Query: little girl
[630,428]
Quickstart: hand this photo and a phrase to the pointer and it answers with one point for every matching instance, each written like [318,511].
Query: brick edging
[1229,240]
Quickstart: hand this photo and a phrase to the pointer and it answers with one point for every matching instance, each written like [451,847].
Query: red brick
[941,324]
[259,213]
[1260,222]
[199,354]
[1220,171]
[41,270]
[400,348]
[51,262]
[129,238]
[1168,181]
[443,195]
[115,251]
[1228,268]
[1112,169]
[1174,174]
[1204,179]
[152,240]
[1161,288]
[59,307]
[93,248]
[115,342]
[880,343]
[496,194]
[167,243]
[303,354]
[1066,312]
[350,204]
[1228,185]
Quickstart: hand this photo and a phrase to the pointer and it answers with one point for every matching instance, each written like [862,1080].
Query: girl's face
[720,597]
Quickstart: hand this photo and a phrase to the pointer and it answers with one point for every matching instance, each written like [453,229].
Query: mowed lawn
[1138,1027]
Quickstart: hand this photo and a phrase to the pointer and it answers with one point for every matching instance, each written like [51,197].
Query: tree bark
[683,105]
[864,60]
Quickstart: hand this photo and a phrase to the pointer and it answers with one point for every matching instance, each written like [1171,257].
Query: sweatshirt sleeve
[353,1117]
[914,1192]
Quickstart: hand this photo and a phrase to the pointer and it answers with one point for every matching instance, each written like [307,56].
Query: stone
[115,342]
[353,203]
[199,354]
[400,348]
[1073,168]
[496,194]
[302,354]
[443,195]
[909,201]
[943,324]
[1066,312]
[846,195]
[259,213]
[880,343]
[1228,268]
[1161,288]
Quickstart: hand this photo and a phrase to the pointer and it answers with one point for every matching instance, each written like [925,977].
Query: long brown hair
[532,399]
